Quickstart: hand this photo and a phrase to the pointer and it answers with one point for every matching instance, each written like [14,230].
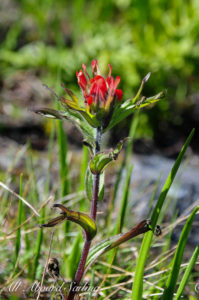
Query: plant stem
[93,213]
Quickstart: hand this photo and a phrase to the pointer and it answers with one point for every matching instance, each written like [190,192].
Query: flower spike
[97,90]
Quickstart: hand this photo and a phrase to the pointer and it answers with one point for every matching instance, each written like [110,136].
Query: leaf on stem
[115,241]
[100,161]
[73,105]
[89,186]
[54,221]
[126,108]
[86,222]
[146,101]
[73,117]
[49,113]
[144,80]
[90,145]
[70,94]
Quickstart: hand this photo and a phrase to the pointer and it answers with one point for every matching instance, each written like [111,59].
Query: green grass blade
[150,207]
[50,158]
[120,220]
[73,259]
[126,158]
[187,273]
[46,190]
[19,221]
[170,180]
[115,241]
[62,144]
[92,284]
[173,276]
[124,203]
[116,187]
[139,271]
[84,166]
[38,245]
[34,194]
[132,131]
[63,167]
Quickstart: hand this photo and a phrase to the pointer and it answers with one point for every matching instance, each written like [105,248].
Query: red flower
[81,79]
[89,99]
[98,88]
[98,91]
[119,94]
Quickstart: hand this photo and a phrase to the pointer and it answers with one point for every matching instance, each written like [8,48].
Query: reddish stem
[93,213]
[80,270]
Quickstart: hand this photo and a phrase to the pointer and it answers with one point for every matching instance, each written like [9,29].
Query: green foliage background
[135,37]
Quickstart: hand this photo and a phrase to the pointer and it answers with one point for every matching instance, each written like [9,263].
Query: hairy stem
[93,213]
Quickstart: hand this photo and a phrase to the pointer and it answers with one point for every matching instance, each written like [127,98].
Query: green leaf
[72,105]
[74,117]
[146,101]
[86,222]
[70,93]
[54,221]
[91,119]
[122,111]
[144,80]
[100,161]
[83,126]
[175,265]
[116,241]
[69,104]
[146,244]
[89,186]
[187,273]
[48,113]
[74,112]
[89,145]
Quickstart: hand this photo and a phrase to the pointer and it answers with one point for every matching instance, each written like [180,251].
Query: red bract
[119,94]
[98,88]
[81,79]
[98,91]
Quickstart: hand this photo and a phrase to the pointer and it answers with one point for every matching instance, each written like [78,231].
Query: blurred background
[46,41]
